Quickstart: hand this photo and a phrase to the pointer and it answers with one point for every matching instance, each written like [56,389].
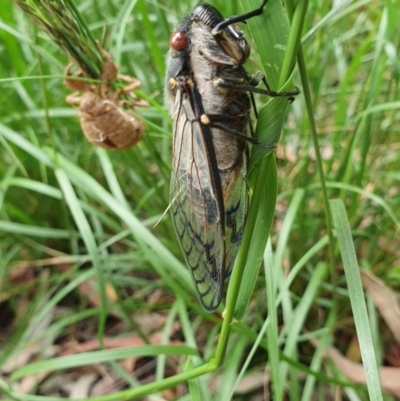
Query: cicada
[207,89]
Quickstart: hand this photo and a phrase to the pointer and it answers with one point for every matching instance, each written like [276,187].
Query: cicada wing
[195,212]
[235,217]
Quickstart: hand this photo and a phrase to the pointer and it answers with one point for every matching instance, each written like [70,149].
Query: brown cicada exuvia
[107,115]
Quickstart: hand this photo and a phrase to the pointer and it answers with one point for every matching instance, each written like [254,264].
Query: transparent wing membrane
[194,206]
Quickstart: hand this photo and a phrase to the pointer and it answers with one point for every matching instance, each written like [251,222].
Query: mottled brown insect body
[106,119]
[209,196]
[106,125]
[207,88]
[209,62]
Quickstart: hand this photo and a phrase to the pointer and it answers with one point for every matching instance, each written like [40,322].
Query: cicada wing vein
[194,206]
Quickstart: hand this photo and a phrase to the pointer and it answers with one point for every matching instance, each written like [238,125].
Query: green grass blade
[270,33]
[295,322]
[90,358]
[264,29]
[41,232]
[158,250]
[260,217]
[357,300]
[90,243]
[119,28]
[272,329]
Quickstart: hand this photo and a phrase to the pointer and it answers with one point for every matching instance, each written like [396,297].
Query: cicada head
[230,39]
[178,58]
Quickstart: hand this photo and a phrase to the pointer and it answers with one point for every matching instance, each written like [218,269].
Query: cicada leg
[218,120]
[241,85]
[238,18]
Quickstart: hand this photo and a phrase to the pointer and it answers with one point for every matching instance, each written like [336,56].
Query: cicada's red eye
[178,40]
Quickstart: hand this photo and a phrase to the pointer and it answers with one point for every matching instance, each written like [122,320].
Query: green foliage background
[64,202]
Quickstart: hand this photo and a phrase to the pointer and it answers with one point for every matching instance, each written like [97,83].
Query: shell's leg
[72,83]
[74,98]
[132,85]
[110,70]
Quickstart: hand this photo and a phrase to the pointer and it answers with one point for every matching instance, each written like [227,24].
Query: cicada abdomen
[207,89]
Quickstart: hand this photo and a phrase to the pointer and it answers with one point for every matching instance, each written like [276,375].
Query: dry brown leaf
[28,383]
[168,395]
[128,364]
[19,267]
[249,383]
[252,382]
[390,377]
[111,294]
[20,274]
[25,355]
[385,300]
[91,293]
[82,386]
[106,385]
[353,350]
[109,343]
[21,359]
[150,321]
